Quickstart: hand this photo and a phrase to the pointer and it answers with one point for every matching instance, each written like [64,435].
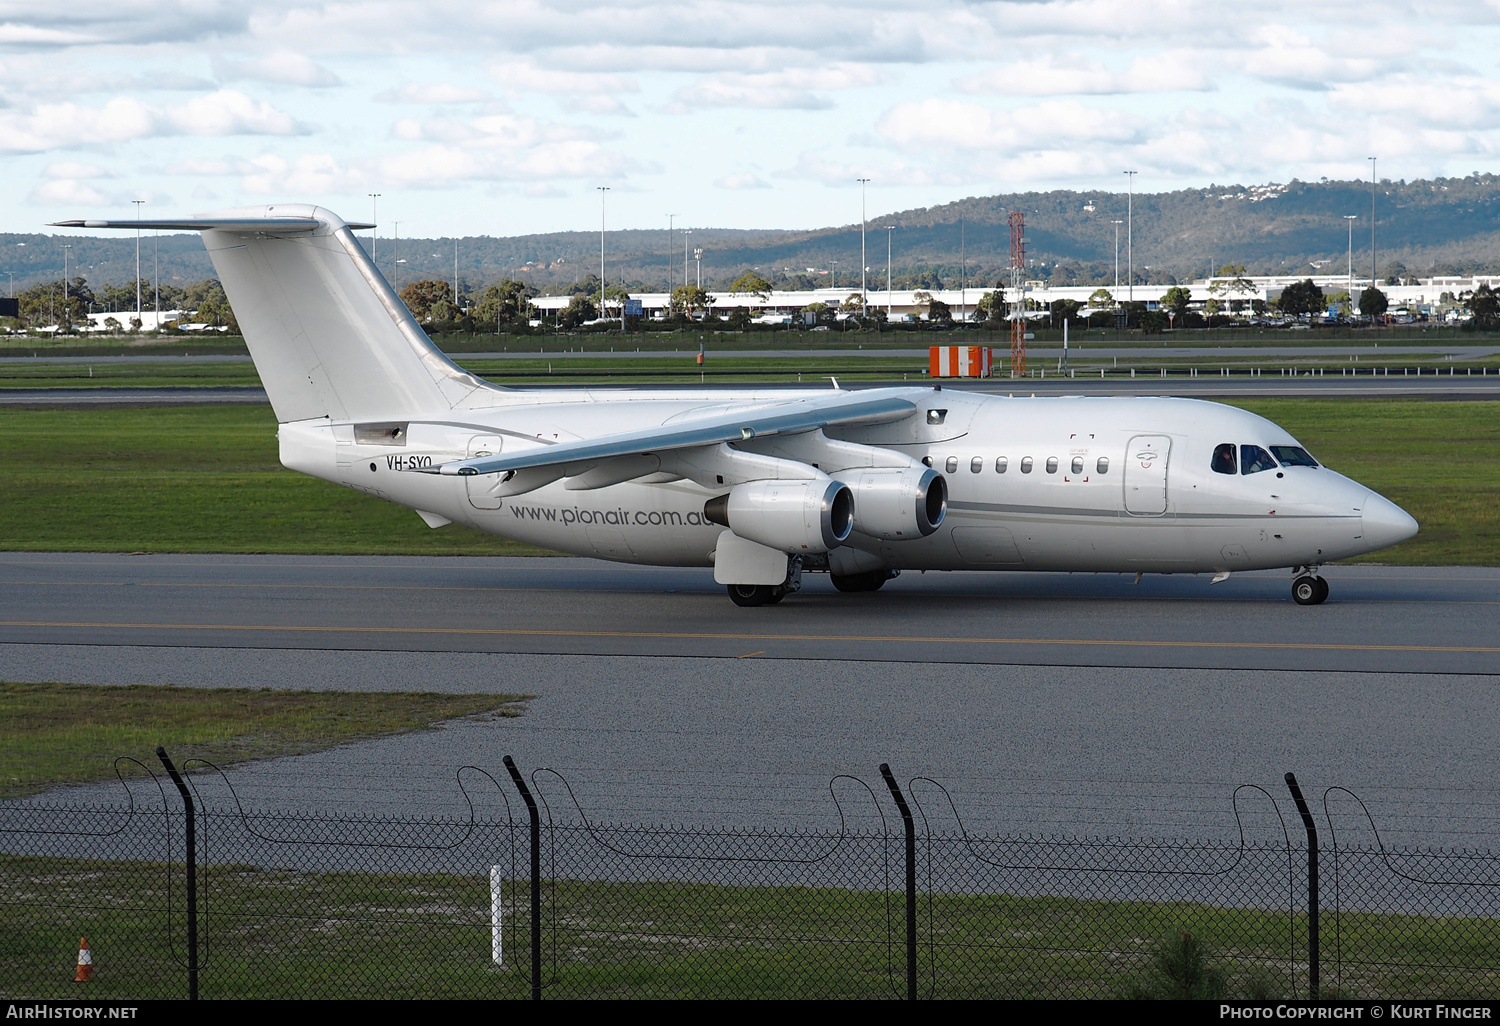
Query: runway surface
[1048,703]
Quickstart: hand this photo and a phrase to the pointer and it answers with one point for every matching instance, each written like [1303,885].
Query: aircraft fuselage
[1069,483]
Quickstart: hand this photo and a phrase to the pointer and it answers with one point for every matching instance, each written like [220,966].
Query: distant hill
[1446,226]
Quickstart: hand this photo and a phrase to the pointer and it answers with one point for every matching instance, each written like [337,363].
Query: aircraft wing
[783,418]
[203,224]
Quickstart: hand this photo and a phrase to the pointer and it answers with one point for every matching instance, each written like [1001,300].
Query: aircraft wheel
[1322,590]
[1305,591]
[752,594]
[872,581]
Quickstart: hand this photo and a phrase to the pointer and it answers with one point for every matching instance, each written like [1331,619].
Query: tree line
[68,304]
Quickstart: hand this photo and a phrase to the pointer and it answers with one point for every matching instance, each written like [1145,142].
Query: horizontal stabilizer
[204,224]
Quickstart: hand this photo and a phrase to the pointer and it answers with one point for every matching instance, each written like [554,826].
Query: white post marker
[497,943]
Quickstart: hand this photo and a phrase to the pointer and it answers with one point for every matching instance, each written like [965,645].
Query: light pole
[1117,258]
[833,274]
[864,292]
[603,189]
[138,259]
[65,286]
[671,251]
[395,252]
[1130,237]
[1373,264]
[455,272]
[888,229]
[374,227]
[698,259]
[685,233]
[1351,218]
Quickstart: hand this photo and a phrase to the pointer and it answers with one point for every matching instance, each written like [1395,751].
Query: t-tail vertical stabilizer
[328,334]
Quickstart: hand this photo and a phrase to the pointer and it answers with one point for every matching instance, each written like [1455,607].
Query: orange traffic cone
[85,962]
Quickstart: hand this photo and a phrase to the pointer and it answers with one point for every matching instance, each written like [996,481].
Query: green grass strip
[277,933]
[53,735]
[207,479]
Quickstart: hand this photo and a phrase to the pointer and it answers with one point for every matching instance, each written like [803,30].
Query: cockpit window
[1254,459]
[1293,456]
[1224,459]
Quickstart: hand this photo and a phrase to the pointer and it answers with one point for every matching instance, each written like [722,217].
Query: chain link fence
[532,899]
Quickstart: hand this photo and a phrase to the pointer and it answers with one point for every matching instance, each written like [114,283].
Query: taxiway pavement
[1081,704]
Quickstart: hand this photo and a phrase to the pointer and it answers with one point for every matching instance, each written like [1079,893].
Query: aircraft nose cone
[1385,523]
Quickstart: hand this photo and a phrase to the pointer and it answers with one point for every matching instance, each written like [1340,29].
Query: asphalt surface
[1047,703]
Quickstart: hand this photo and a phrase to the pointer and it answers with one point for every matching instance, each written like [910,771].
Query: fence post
[192,871]
[536,878]
[911,880]
[1312,885]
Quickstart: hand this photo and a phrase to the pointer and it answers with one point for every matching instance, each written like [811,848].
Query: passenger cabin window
[1051,464]
[952,464]
[1078,464]
[1254,459]
[976,465]
[1293,456]
[1102,466]
[1001,463]
[1025,464]
[1224,459]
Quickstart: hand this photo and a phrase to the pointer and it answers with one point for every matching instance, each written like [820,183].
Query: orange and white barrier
[85,962]
[959,361]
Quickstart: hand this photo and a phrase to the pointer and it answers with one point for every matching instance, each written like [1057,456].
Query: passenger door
[1146,475]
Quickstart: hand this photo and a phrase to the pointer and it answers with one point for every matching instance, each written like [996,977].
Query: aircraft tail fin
[328,334]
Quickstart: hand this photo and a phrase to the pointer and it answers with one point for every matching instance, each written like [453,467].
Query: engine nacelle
[794,516]
[897,504]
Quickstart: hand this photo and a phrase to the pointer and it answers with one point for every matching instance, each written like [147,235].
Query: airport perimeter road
[1046,703]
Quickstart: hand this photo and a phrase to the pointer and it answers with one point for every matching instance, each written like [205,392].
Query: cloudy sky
[504,116]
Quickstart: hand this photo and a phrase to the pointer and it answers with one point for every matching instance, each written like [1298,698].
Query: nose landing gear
[1309,589]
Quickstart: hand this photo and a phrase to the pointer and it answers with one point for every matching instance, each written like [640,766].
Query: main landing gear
[1309,589]
[756,594]
[872,581]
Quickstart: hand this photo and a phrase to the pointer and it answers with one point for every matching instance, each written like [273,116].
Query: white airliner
[764,485]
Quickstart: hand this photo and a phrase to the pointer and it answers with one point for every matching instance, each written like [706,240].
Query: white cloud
[953,125]
[69,126]
[67,192]
[795,89]
[1069,75]
[91,22]
[742,181]
[432,94]
[1467,102]
[525,76]
[283,67]
[70,169]
[227,112]
[842,174]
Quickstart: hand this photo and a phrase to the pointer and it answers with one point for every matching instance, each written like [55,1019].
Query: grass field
[53,735]
[282,934]
[206,479]
[190,479]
